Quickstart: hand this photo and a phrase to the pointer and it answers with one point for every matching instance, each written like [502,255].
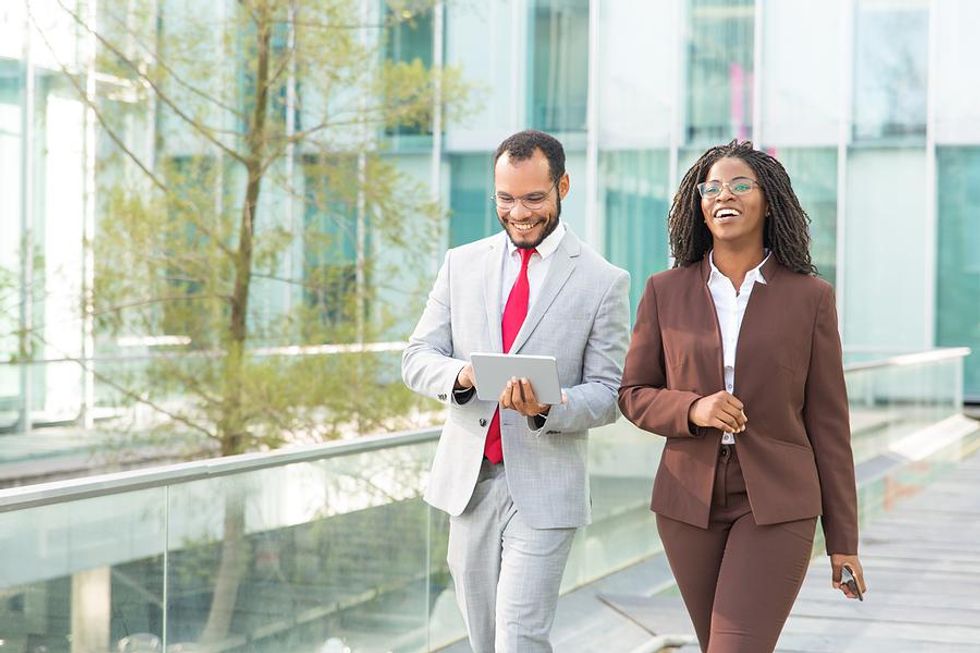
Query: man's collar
[547,247]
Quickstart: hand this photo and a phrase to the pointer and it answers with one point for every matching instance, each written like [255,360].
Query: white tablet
[493,371]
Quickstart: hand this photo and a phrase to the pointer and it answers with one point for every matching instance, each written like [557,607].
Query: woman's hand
[838,560]
[721,410]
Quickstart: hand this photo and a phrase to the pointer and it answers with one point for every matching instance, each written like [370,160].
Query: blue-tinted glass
[891,70]
[813,172]
[958,259]
[720,70]
[410,39]
[559,79]
[330,239]
[634,185]
[472,215]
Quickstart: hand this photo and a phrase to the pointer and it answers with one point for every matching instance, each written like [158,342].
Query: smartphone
[847,578]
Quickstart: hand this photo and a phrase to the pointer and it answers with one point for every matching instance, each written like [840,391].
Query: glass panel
[342,552]
[957,83]
[884,302]
[445,620]
[958,259]
[409,40]
[720,70]
[559,82]
[481,44]
[330,240]
[891,64]
[637,89]
[801,90]
[634,185]
[813,172]
[623,531]
[83,575]
[472,214]
[291,557]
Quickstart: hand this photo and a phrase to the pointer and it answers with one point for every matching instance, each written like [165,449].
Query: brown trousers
[738,580]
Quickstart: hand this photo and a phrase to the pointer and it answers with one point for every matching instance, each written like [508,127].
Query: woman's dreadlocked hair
[787,228]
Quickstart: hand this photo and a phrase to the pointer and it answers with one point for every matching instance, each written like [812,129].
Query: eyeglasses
[738,186]
[531,201]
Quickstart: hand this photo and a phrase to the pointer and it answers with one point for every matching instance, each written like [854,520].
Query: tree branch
[205,131]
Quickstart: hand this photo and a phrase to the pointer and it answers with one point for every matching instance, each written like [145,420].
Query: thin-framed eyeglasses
[737,186]
[531,201]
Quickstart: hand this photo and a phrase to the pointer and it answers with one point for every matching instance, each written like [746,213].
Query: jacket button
[483,421]
[442,397]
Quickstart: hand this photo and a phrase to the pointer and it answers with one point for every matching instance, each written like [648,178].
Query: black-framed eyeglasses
[531,201]
[737,186]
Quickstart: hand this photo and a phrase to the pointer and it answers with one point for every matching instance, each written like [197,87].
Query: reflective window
[801,92]
[559,79]
[409,39]
[719,74]
[891,62]
[958,259]
[813,172]
[885,266]
[330,239]
[472,215]
[634,185]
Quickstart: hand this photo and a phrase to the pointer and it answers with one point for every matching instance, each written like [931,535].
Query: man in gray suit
[512,473]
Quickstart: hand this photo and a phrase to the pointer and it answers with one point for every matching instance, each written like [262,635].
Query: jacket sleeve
[428,366]
[592,403]
[643,394]
[825,416]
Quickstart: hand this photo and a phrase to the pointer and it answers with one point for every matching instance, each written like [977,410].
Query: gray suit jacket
[581,317]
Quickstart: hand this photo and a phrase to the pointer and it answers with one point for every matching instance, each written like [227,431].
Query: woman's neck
[735,262]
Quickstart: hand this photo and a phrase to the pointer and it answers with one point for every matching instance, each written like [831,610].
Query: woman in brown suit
[736,361]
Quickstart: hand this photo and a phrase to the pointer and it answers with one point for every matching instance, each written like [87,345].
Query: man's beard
[549,229]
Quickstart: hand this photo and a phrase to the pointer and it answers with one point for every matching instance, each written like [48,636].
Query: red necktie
[514,313]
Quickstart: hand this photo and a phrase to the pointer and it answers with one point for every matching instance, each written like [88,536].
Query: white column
[89,146]
[27,109]
[846,68]
[932,211]
[594,231]
[91,610]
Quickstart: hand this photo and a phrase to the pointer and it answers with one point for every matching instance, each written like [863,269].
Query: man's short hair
[521,146]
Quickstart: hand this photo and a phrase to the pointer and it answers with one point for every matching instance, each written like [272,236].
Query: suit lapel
[559,272]
[708,316]
[757,324]
[492,272]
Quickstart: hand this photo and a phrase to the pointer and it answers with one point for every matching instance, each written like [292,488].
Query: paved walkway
[922,563]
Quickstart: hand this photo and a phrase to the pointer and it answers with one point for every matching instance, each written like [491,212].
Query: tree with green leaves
[247,204]
[247,208]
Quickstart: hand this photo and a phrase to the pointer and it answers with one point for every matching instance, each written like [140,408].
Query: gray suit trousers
[506,574]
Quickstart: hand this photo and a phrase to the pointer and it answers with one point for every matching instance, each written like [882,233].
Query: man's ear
[563,186]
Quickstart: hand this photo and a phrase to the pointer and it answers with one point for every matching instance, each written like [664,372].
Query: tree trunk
[230,570]
[231,428]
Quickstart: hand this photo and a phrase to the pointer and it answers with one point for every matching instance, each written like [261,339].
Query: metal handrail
[931,356]
[40,494]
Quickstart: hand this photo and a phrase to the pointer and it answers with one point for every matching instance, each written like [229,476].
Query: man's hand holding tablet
[526,384]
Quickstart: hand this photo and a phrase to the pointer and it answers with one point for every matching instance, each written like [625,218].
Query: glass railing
[330,548]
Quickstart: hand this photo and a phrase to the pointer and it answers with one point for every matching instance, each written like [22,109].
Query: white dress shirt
[537,267]
[730,307]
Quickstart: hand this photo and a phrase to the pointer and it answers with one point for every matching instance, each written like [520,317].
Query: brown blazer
[795,453]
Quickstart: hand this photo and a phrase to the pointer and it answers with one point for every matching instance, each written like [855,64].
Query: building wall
[872,106]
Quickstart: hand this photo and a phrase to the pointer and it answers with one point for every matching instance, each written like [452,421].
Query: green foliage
[255,218]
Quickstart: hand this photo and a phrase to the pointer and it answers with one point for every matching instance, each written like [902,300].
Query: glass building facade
[872,106]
